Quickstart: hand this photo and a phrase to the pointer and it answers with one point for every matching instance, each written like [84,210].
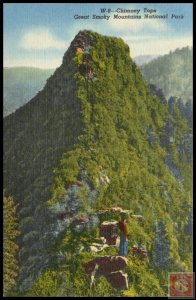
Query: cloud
[157,46]
[41,38]
[136,25]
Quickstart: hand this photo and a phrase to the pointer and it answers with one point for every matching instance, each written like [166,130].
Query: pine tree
[189,224]
[161,248]
[10,248]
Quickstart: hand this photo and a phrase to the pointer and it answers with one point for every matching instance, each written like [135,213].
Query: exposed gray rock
[187,141]
[173,169]
[66,211]
[85,223]
[93,221]
[30,268]
[186,146]
[169,134]
[70,202]
[79,228]
[151,136]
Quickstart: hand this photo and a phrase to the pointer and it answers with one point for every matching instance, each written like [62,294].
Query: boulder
[106,264]
[108,230]
[80,220]
[79,223]
[118,280]
[110,267]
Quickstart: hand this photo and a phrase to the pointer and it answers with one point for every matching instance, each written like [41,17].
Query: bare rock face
[152,138]
[106,264]
[110,267]
[80,220]
[108,230]
[118,280]
[79,223]
[173,169]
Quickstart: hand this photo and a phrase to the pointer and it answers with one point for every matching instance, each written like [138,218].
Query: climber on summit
[123,235]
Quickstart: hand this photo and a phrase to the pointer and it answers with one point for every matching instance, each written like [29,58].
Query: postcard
[98,154]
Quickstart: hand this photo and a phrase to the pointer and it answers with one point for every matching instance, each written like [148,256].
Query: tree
[161,248]
[10,248]
[189,224]
[157,92]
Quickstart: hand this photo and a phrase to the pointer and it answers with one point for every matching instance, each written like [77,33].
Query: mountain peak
[91,139]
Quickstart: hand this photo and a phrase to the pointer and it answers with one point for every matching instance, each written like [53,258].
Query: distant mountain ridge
[96,137]
[21,84]
[144,59]
[172,73]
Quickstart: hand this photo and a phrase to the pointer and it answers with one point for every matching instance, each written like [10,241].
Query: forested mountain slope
[21,84]
[173,73]
[93,138]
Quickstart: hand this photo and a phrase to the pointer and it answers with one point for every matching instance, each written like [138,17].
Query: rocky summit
[96,138]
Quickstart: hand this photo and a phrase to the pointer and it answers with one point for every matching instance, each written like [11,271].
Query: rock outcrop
[112,213]
[118,280]
[151,136]
[107,264]
[110,267]
[108,230]
[173,169]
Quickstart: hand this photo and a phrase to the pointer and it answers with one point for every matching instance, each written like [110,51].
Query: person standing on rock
[123,235]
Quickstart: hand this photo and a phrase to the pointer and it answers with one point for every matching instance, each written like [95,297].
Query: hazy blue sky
[39,34]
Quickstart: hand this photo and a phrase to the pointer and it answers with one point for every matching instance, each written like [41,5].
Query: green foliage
[161,248]
[10,248]
[83,194]
[47,285]
[58,191]
[172,73]
[94,133]
[143,281]
[60,282]
[137,172]
[137,233]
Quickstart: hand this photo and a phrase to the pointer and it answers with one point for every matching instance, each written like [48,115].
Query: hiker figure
[123,235]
